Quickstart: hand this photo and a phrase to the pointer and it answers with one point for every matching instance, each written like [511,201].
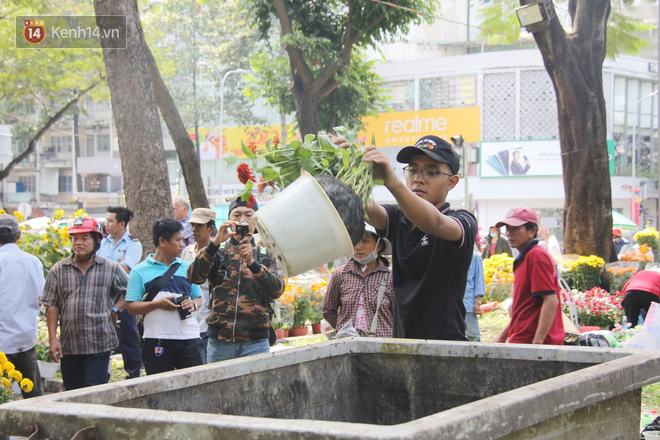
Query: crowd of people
[205,294]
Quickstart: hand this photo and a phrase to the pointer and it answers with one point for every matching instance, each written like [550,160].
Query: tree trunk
[575,66]
[146,182]
[185,148]
[307,108]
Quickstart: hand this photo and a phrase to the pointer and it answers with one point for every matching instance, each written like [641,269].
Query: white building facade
[517,112]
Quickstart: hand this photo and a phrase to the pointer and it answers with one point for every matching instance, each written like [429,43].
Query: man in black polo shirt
[432,244]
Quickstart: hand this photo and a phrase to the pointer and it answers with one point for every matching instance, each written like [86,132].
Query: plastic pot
[302,229]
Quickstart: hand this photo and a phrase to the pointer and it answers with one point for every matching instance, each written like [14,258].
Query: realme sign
[398,129]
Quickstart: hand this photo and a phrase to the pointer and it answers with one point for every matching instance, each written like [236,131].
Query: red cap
[518,217]
[616,232]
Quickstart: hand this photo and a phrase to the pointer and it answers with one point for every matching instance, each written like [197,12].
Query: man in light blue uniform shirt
[474,291]
[126,250]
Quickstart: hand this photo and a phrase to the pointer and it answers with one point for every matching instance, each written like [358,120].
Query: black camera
[243,229]
[183,313]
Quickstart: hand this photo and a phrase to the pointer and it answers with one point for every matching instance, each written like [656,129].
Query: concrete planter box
[366,388]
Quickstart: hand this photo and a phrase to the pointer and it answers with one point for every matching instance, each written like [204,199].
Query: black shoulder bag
[151,294]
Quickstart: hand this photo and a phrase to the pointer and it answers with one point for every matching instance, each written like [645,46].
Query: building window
[61,144]
[635,126]
[103,142]
[19,146]
[402,95]
[65,184]
[91,147]
[447,92]
[29,183]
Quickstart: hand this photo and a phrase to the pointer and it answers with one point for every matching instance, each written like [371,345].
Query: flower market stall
[594,307]
[300,304]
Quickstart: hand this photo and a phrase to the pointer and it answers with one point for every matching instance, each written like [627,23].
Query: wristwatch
[115,309]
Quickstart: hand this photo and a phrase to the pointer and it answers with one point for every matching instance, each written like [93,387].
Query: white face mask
[369,258]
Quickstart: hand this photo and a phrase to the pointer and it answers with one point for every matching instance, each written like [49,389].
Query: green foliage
[318,156]
[624,33]
[329,20]
[271,81]
[500,24]
[651,396]
[329,37]
[499,292]
[301,311]
[36,83]
[50,246]
[360,92]
[202,40]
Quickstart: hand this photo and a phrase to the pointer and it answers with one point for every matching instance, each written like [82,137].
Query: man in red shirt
[640,291]
[536,312]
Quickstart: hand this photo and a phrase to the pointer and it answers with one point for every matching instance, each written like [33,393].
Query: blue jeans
[219,350]
[85,370]
[205,344]
[472,329]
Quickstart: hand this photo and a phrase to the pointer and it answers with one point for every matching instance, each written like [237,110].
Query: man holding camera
[243,279]
[159,290]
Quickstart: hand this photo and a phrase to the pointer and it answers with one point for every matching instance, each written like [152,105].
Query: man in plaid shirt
[80,292]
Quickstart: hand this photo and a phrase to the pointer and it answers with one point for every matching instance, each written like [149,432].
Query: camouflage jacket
[239,300]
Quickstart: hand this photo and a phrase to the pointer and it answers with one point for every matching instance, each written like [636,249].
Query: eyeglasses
[427,174]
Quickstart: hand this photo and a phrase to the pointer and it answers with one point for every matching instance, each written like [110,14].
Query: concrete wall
[366,389]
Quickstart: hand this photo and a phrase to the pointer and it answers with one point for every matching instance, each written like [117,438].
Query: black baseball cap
[249,203]
[435,148]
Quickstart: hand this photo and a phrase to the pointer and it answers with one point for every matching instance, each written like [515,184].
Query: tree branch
[295,54]
[33,142]
[328,87]
[323,83]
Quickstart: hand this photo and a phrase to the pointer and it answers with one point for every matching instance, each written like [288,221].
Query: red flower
[252,146]
[276,141]
[245,173]
[251,202]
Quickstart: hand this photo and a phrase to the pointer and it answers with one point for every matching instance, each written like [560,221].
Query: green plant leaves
[249,153]
[345,157]
[269,174]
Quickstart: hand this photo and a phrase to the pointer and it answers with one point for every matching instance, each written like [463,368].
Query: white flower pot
[301,228]
[48,370]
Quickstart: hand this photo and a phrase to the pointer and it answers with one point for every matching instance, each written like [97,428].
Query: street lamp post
[222,116]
